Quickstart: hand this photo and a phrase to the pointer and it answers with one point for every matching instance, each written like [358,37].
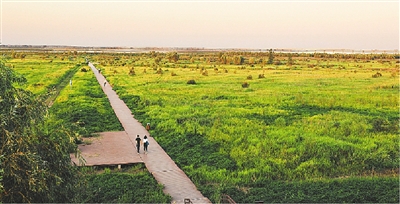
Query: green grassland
[323,117]
[43,71]
[129,185]
[82,107]
[302,126]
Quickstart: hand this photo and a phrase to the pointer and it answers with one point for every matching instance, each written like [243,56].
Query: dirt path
[165,171]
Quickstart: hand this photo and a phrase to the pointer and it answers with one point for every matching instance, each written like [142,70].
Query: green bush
[191,81]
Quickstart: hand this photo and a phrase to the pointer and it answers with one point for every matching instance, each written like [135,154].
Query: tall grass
[129,185]
[41,74]
[294,124]
[84,107]
[319,119]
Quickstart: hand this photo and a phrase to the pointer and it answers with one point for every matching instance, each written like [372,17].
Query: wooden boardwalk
[108,149]
[165,171]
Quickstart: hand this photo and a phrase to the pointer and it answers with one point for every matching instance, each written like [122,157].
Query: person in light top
[145,143]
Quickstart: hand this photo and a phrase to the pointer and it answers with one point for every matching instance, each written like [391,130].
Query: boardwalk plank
[109,148]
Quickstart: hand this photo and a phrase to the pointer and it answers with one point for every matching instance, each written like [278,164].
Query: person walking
[105,82]
[138,143]
[145,143]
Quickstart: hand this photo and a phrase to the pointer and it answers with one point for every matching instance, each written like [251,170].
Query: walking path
[165,171]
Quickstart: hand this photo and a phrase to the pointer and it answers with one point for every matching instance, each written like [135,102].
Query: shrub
[260,76]
[380,124]
[377,75]
[83,69]
[280,122]
[192,81]
[132,71]
[249,77]
[245,85]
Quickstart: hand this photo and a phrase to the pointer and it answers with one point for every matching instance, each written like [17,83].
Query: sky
[295,24]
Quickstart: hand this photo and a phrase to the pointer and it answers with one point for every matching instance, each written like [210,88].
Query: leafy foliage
[35,164]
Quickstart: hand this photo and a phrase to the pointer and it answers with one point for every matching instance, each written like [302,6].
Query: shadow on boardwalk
[114,148]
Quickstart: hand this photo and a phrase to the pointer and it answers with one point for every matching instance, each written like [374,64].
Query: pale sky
[324,24]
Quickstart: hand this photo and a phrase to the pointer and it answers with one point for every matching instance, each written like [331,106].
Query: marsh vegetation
[276,127]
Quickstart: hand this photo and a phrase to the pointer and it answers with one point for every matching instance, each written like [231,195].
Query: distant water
[332,51]
[32,48]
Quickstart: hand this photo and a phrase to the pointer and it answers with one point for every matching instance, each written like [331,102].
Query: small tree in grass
[290,60]
[270,57]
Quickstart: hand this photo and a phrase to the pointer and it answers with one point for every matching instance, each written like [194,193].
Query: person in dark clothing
[145,143]
[138,144]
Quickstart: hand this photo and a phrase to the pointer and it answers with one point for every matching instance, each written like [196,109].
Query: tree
[173,56]
[157,60]
[153,53]
[252,60]
[224,59]
[290,60]
[35,161]
[238,60]
[270,57]
[13,54]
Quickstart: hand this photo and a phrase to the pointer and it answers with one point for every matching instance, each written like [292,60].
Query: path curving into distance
[165,171]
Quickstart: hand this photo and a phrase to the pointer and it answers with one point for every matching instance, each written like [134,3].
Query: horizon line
[195,48]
